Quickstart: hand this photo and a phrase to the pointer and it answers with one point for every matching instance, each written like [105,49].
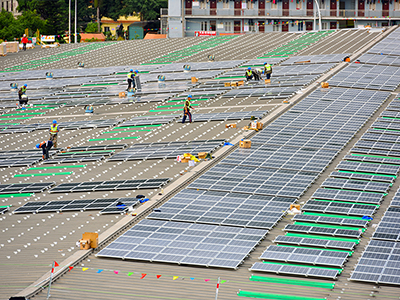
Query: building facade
[10,5]
[186,17]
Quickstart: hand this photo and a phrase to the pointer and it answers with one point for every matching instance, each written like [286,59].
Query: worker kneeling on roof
[46,146]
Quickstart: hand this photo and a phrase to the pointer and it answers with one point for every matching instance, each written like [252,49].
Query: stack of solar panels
[113,185]
[18,188]
[106,206]
[16,158]
[166,150]
[149,120]
[379,263]
[315,59]
[239,115]
[223,208]
[185,243]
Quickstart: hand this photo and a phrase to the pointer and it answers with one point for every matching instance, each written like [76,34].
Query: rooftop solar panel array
[335,220]
[388,46]
[303,255]
[22,158]
[221,208]
[149,120]
[96,186]
[314,242]
[374,77]
[166,150]
[17,188]
[185,243]
[346,195]
[106,206]
[314,59]
[295,270]
[379,263]
[228,116]
[283,157]
[332,207]
[306,229]
[380,59]
[345,94]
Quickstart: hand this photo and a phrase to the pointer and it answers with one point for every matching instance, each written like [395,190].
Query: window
[225,4]
[106,29]
[396,5]
[275,28]
[204,26]
[274,4]
[251,25]
[250,4]
[298,4]
[372,6]
[228,26]
[203,4]
[324,25]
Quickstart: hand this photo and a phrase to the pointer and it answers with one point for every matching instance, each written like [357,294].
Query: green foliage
[91,27]
[92,40]
[147,9]
[9,27]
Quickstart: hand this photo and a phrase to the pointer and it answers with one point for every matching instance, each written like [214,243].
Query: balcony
[290,13]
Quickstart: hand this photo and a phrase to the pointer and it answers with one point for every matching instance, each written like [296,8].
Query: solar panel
[368,167]
[166,150]
[295,270]
[15,188]
[360,185]
[348,195]
[336,220]
[326,206]
[360,176]
[110,185]
[197,237]
[314,242]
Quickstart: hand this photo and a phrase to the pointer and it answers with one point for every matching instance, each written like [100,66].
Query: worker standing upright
[186,110]
[46,146]
[249,74]
[24,41]
[54,133]
[267,70]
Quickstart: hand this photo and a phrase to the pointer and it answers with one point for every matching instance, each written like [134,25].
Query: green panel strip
[354,172]
[20,118]
[321,237]
[378,156]
[332,216]
[115,138]
[43,174]
[323,285]
[137,130]
[386,129]
[377,205]
[57,167]
[274,296]
[304,266]
[334,250]
[176,105]
[139,126]
[328,226]
[157,110]
[99,84]
[16,195]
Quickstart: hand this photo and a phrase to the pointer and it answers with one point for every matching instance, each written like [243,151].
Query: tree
[97,4]
[31,20]
[91,27]
[9,27]
[146,9]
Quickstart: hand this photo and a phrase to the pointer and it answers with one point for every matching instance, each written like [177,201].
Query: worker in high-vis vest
[267,70]
[54,133]
[249,74]
[46,146]
[186,110]
[131,75]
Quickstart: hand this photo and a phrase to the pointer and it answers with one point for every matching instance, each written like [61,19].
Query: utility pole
[76,20]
